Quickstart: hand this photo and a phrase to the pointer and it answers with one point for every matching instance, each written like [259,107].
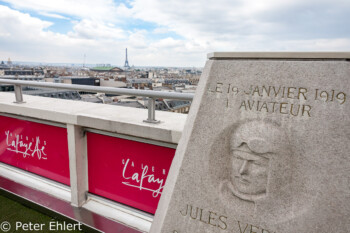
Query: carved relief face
[257,151]
[249,171]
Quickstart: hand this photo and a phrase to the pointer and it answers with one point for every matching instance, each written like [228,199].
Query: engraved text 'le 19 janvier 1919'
[276,99]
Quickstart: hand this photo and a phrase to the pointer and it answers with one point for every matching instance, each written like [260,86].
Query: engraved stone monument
[266,148]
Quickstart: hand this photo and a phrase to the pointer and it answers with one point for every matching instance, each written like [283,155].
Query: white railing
[152,95]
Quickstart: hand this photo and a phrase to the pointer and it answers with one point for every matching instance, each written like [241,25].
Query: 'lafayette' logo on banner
[142,179]
[129,172]
[35,147]
[26,147]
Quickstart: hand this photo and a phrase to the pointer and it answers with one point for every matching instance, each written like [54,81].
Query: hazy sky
[167,32]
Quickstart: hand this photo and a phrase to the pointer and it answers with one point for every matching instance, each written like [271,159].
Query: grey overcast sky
[167,32]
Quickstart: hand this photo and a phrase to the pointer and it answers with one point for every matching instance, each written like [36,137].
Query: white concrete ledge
[279,55]
[117,119]
[119,213]
[36,182]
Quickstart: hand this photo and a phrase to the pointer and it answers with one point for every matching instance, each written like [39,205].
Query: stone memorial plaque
[266,148]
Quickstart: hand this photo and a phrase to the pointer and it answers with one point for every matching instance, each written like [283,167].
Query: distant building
[129,103]
[21,72]
[176,81]
[106,69]
[97,98]
[6,87]
[79,80]
[48,92]
[179,106]
[152,75]
[9,62]
[3,67]
[112,83]
[156,85]
[22,77]
[139,83]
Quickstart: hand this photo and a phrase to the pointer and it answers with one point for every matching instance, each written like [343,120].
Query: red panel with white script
[34,147]
[126,171]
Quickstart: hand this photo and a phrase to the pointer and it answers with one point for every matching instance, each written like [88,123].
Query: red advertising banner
[129,172]
[34,147]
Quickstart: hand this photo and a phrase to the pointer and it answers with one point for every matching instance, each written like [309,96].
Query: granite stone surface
[266,149]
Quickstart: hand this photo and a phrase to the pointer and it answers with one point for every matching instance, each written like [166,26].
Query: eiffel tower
[126,65]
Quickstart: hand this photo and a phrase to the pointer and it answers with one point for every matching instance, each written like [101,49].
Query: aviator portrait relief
[249,173]
[256,182]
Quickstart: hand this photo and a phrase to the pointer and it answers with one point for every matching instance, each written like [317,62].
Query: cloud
[250,24]
[174,32]
[26,38]
[243,17]
[138,40]
[51,15]
[82,9]
[15,23]
[161,30]
[92,29]
[168,43]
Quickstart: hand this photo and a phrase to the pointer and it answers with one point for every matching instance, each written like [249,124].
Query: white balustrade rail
[152,95]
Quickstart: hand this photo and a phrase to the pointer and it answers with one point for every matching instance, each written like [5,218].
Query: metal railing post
[151,111]
[18,94]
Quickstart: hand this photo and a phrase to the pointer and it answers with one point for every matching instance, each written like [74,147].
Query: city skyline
[166,33]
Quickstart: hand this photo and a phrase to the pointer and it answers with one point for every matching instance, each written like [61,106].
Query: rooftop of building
[106,69]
